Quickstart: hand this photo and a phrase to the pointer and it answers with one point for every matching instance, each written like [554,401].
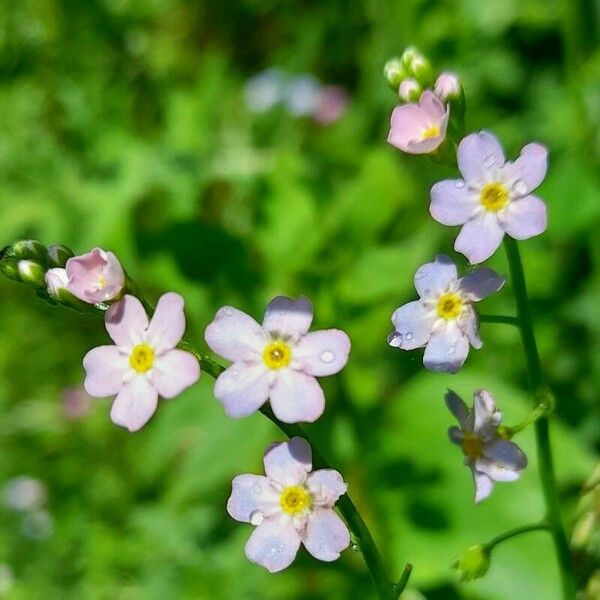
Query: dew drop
[327,356]
[355,548]
[409,335]
[419,274]
[426,292]
[226,311]
[395,339]
[519,187]
[459,183]
[256,517]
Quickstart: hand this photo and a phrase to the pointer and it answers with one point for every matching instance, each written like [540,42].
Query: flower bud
[29,250]
[394,72]
[447,87]
[58,255]
[417,66]
[56,281]
[10,269]
[409,90]
[473,564]
[31,272]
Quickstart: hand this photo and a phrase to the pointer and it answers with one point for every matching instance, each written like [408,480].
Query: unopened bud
[10,269]
[31,272]
[505,432]
[58,255]
[29,250]
[56,281]
[447,86]
[394,72]
[417,66]
[409,90]
[473,564]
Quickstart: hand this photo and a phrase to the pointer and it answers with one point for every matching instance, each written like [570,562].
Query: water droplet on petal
[419,274]
[395,339]
[327,356]
[256,517]
[426,292]
[459,183]
[519,187]
[409,335]
[226,311]
[257,488]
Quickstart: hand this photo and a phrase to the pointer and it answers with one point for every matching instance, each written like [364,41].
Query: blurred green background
[126,124]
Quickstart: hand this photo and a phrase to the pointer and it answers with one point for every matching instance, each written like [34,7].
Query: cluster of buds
[85,282]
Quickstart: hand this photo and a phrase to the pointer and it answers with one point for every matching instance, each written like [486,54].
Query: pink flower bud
[95,277]
[447,86]
[56,280]
[409,90]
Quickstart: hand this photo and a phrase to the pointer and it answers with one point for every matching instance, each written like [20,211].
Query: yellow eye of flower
[494,196]
[449,306]
[142,358]
[431,132]
[472,445]
[295,499]
[277,355]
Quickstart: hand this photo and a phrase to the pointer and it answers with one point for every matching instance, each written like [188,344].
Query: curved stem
[544,449]
[499,319]
[515,532]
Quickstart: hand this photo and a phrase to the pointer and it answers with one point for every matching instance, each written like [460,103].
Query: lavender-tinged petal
[487,416]
[483,486]
[435,276]
[480,237]
[446,351]
[320,353]
[126,322]
[502,460]
[458,408]
[249,494]
[470,326]
[242,388]
[412,323]
[326,486]
[524,218]
[273,545]
[288,317]
[477,155]
[168,323]
[480,284]
[326,535]
[135,404]
[174,371]
[105,367]
[296,397]
[288,463]
[452,202]
[531,166]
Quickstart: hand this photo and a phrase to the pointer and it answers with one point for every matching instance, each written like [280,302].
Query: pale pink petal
[487,415]
[412,324]
[480,284]
[288,463]
[105,367]
[326,535]
[273,545]
[524,218]
[234,335]
[477,154]
[167,325]
[126,321]
[249,494]
[446,351]
[174,372]
[470,326]
[242,388]
[135,404]
[452,202]
[502,460]
[435,276]
[483,486]
[458,408]
[322,353]
[447,85]
[432,106]
[96,276]
[296,397]
[326,486]
[531,166]
[480,237]
[288,317]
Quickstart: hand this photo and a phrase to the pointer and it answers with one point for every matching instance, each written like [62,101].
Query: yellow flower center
[295,499]
[142,358]
[431,132]
[472,445]
[494,196]
[449,306]
[277,355]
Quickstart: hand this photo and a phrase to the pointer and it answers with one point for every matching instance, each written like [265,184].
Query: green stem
[515,532]
[544,450]
[499,319]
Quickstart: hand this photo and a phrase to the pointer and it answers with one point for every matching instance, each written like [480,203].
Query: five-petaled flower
[291,505]
[144,362]
[494,197]
[95,277]
[489,457]
[419,128]
[443,320]
[278,361]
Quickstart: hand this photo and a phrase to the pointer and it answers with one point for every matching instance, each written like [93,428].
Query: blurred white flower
[37,525]
[24,493]
[264,91]
[302,95]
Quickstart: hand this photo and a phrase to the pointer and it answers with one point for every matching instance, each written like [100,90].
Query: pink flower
[96,276]
[419,128]
[494,197]
[278,361]
[291,505]
[143,363]
[331,105]
[447,86]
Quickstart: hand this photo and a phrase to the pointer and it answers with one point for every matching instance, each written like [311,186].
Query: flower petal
[483,486]
[412,323]
[531,166]
[250,493]
[502,460]
[524,218]
[288,463]
[458,408]
[126,321]
[487,415]
[326,535]
[326,486]
[477,155]
[234,335]
[470,327]
[174,372]
[273,545]
[480,237]
[288,317]
[242,388]
[104,368]
[135,404]
[168,323]
[446,351]
[435,276]
[95,277]
[452,202]
[322,352]
[480,284]
[296,397]
[456,435]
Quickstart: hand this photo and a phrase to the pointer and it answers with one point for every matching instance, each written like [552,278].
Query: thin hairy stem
[543,526]
[544,450]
